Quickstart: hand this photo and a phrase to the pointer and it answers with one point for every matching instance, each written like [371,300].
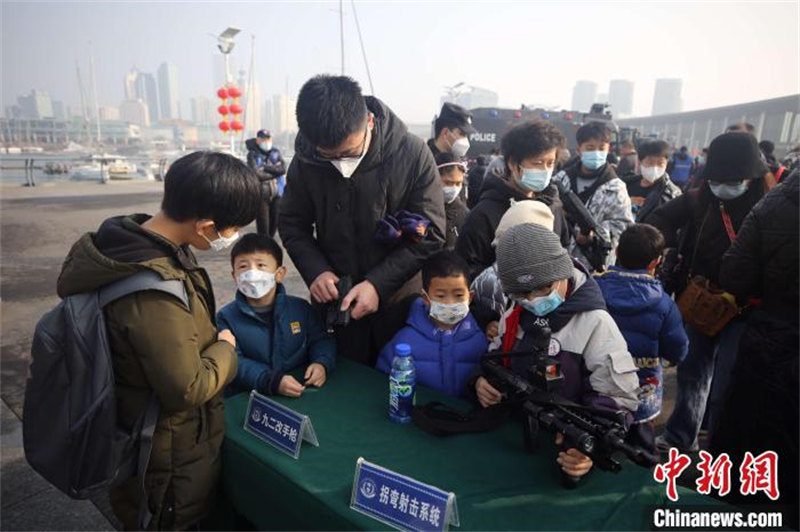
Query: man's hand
[323,289]
[582,239]
[366,298]
[492,330]
[573,462]
[315,375]
[290,387]
[227,336]
[487,394]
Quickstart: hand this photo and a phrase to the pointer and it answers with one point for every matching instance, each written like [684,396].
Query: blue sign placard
[281,427]
[400,501]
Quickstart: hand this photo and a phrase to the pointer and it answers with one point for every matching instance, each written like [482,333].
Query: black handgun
[334,316]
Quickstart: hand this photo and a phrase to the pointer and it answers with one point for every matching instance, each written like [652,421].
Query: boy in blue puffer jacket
[647,317]
[275,332]
[446,341]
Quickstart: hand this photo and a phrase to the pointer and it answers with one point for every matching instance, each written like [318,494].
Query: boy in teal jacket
[275,332]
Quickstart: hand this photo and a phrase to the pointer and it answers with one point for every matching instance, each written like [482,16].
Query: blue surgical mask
[535,179]
[727,191]
[544,305]
[593,159]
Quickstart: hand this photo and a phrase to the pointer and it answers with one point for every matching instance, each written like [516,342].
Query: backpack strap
[145,448]
[140,282]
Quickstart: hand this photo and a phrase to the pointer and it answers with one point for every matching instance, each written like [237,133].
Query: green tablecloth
[498,486]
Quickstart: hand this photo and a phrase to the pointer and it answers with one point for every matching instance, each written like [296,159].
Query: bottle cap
[402,350]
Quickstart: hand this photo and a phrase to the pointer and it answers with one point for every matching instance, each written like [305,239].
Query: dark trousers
[267,218]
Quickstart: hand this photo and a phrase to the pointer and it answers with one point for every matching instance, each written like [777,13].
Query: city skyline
[404,70]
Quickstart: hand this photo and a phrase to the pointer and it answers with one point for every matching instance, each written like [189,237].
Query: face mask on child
[255,284]
[449,313]
[544,305]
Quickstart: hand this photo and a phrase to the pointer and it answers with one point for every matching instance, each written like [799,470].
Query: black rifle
[334,316]
[597,433]
[597,250]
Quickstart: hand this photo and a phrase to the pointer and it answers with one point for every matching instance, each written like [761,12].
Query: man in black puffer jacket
[355,163]
[529,155]
[761,406]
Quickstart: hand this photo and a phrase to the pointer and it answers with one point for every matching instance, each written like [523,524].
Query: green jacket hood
[118,249]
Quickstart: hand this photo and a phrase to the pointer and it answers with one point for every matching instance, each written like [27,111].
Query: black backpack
[69,426]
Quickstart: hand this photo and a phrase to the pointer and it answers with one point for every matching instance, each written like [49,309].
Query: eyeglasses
[347,155]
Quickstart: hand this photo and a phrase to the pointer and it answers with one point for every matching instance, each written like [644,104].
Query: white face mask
[460,147]
[265,146]
[347,167]
[451,193]
[222,243]
[449,313]
[652,173]
[255,284]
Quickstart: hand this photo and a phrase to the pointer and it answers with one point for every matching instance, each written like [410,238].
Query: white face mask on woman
[651,174]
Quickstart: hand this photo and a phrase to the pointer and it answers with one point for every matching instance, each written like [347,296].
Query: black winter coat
[763,262]
[698,213]
[475,239]
[456,212]
[328,223]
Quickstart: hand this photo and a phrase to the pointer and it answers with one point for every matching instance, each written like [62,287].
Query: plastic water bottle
[402,384]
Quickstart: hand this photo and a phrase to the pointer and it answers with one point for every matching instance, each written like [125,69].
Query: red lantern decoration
[236,109]
[222,93]
[237,126]
[224,126]
[234,92]
[223,110]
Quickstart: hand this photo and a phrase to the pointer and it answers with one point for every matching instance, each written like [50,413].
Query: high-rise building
[202,111]
[36,105]
[283,114]
[147,92]
[130,84]
[59,110]
[252,106]
[168,90]
[584,95]
[135,112]
[620,96]
[267,120]
[667,97]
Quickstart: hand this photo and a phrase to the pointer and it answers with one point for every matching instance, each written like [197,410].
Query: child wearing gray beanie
[551,291]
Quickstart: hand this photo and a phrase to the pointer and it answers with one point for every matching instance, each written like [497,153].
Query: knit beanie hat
[525,211]
[530,256]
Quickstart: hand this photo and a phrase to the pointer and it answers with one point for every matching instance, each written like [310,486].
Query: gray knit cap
[530,256]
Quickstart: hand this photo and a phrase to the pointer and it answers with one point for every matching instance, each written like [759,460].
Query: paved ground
[37,228]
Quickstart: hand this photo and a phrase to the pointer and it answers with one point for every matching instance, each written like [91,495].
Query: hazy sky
[531,52]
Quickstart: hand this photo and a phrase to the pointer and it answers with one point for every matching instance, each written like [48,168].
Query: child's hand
[315,375]
[227,336]
[492,330]
[573,462]
[290,387]
[487,394]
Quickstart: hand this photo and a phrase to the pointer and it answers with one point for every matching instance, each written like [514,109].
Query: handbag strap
[726,220]
[697,241]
